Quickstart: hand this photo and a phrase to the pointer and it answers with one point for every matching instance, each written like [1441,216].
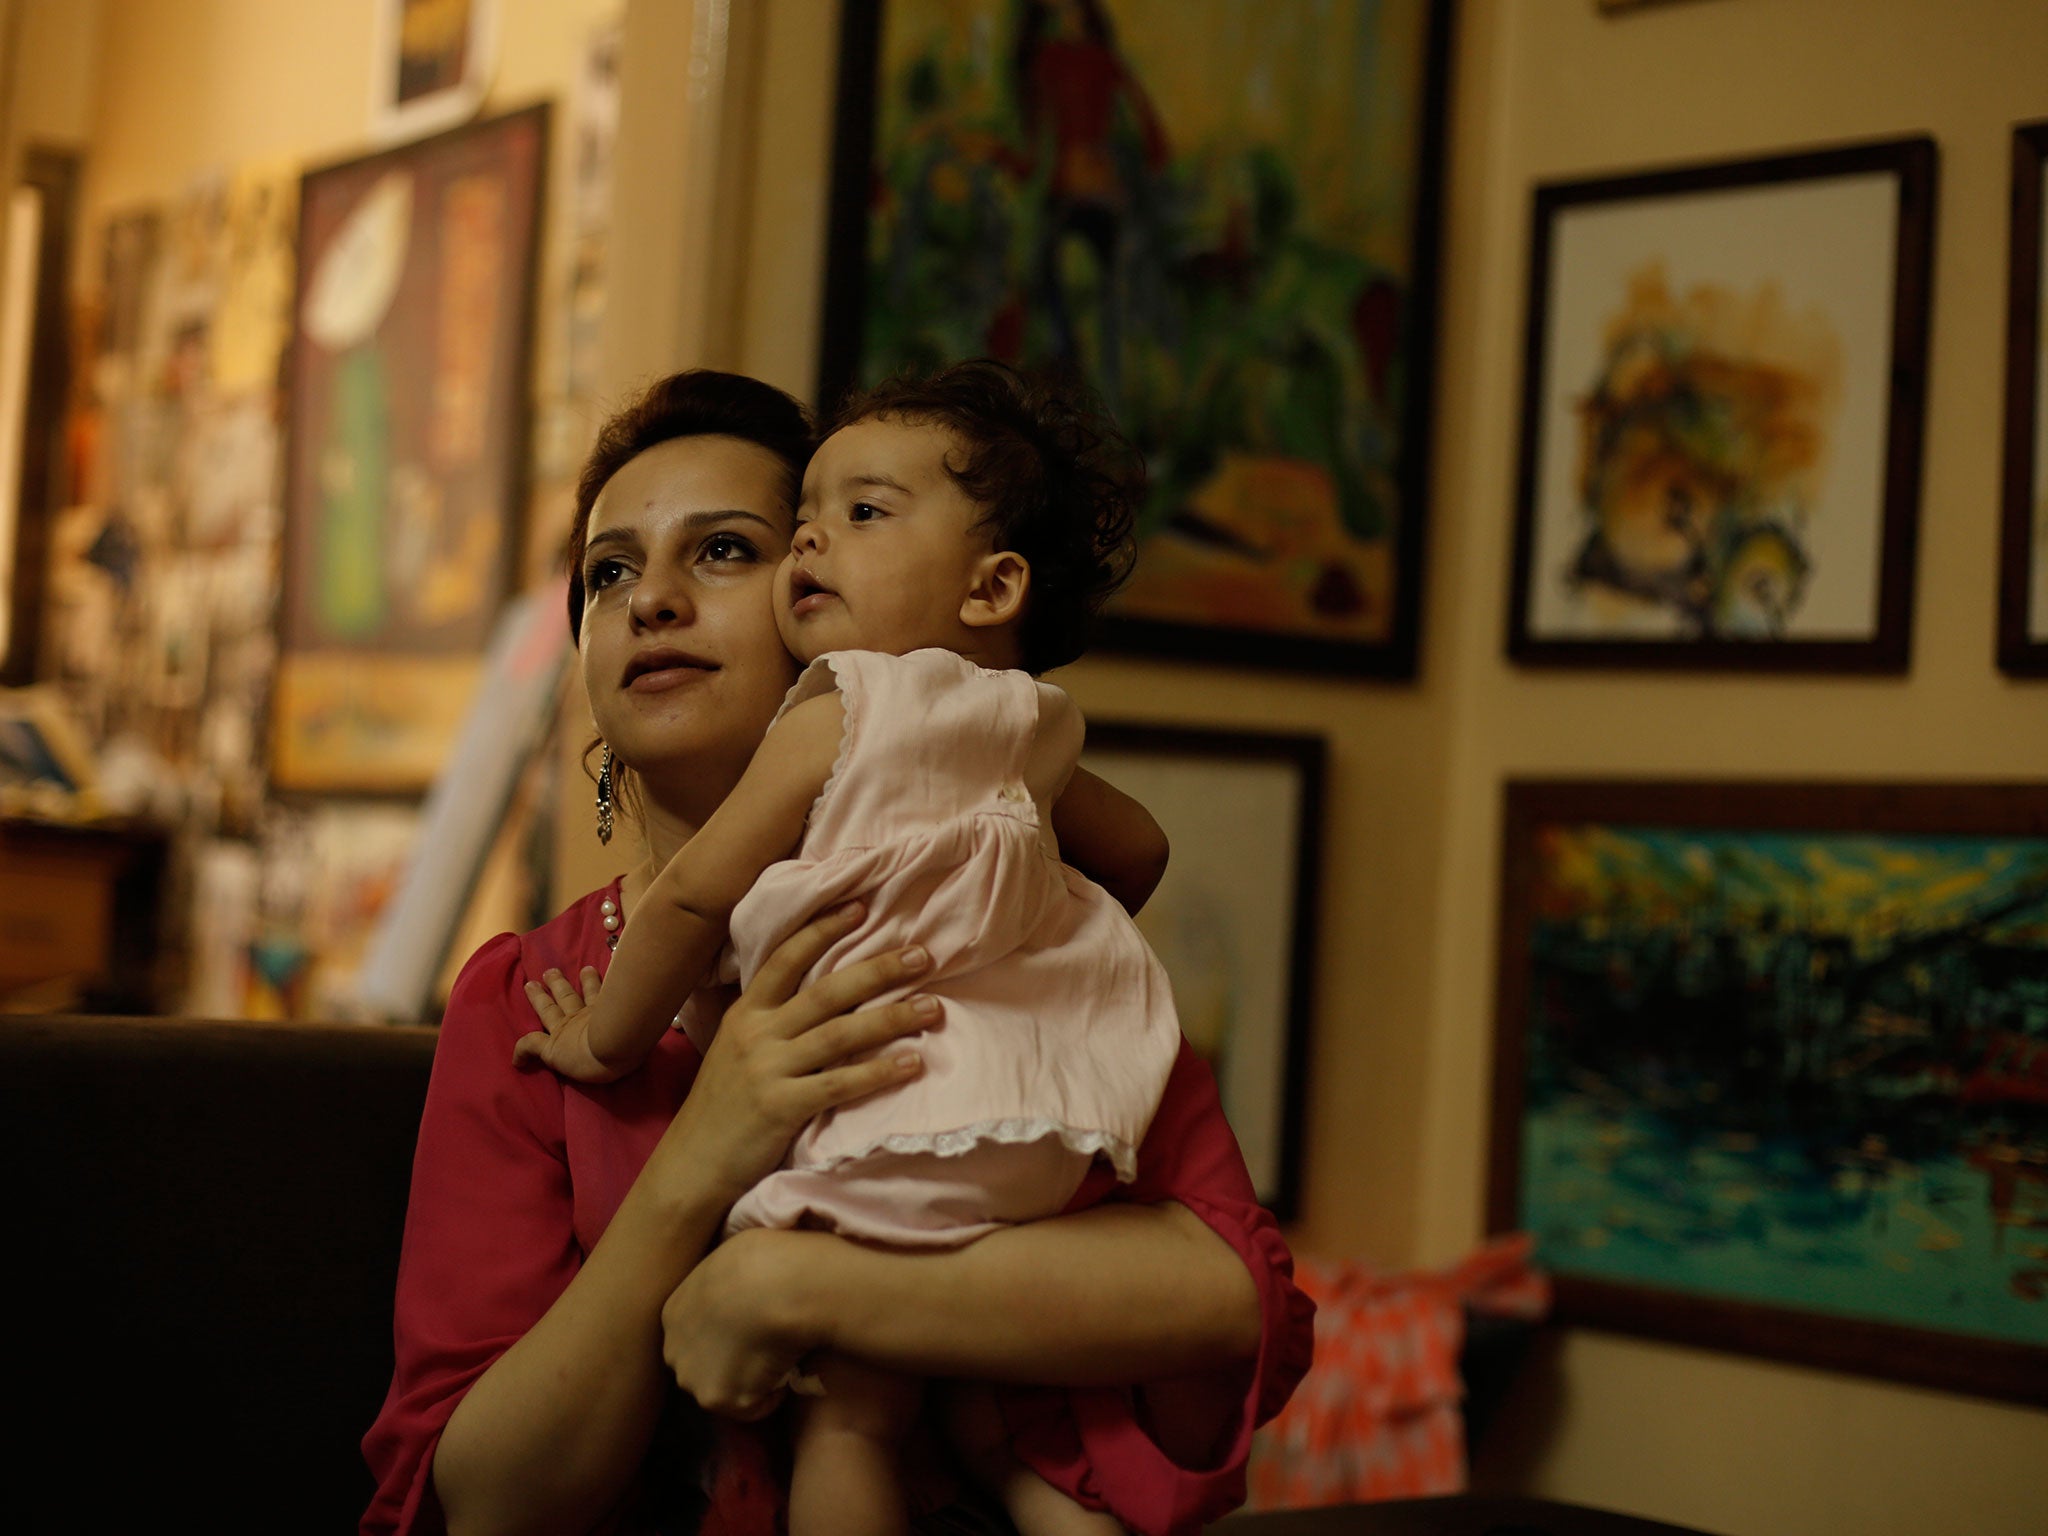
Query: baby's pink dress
[1059,1029]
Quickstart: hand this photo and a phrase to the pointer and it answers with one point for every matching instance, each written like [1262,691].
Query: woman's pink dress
[1059,1030]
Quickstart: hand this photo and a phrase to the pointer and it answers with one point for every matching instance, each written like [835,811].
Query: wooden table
[81,910]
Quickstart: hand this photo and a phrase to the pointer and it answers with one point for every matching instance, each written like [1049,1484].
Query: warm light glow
[17,335]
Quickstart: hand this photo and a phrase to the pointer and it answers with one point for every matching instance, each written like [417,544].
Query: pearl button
[609,907]
[610,923]
[1015,791]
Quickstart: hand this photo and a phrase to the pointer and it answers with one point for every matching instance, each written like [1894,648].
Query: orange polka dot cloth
[1378,1415]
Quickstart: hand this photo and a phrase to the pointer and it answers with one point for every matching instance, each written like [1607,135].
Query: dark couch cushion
[205,1266]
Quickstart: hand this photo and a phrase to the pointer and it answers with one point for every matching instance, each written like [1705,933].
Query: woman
[558,1277]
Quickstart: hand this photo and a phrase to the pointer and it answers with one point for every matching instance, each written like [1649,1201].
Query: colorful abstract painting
[405,447]
[1722,414]
[1701,438]
[1774,1048]
[1220,213]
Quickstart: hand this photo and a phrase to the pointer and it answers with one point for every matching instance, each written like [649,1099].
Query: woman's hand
[783,1056]
[734,1332]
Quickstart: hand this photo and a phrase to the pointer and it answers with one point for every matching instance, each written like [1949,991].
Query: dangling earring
[604,798]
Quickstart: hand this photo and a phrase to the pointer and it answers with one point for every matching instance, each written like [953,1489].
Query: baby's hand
[563,1041]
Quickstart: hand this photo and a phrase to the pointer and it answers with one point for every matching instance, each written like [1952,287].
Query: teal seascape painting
[1221,214]
[1785,1067]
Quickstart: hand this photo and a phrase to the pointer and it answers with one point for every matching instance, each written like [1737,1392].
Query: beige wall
[56,70]
[1397,1113]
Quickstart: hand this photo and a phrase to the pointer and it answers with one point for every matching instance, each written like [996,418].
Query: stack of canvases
[162,580]
[1379,1415]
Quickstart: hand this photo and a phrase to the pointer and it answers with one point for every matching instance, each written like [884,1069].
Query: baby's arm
[1110,838]
[681,921]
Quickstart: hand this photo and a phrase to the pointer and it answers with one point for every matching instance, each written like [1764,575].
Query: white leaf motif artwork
[359,272]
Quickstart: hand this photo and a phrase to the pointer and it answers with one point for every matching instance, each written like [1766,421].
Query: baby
[953,537]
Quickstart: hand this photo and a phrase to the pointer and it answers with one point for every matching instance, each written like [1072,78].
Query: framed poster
[1772,1069]
[1222,214]
[1234,921]
[1721,414]
[405,450]
[2023,583]
[433,64]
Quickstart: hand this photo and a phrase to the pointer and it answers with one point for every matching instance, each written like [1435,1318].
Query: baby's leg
[975,1427]
[848,1472]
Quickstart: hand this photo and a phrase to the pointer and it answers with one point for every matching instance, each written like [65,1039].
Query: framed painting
[2023,573]
[434,61]
[1223,216]
[1772,1069]
[405,448]
[1234,920]
[1721,414]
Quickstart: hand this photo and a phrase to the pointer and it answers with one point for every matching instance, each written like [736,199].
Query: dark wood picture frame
[1913,162]
[1269,1097]
[376,715]
[2020,545]
[1394,656]
[1701,1312]
[55,175]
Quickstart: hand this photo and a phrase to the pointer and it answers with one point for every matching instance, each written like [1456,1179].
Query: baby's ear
[996,596]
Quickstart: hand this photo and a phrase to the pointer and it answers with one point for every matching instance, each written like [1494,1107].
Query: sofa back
[204,1266]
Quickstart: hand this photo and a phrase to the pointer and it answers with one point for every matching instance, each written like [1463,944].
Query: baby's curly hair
[1054,478]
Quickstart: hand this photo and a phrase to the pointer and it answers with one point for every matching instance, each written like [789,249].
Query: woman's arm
[1113,1295]
[1110,838]
[550,1433]
[1116,1294]
[1169,1320]
[669,947]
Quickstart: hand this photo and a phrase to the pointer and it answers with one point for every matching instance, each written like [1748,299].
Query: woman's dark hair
[1054,479]
[699,403]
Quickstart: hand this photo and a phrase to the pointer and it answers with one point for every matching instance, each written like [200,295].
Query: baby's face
[886,551]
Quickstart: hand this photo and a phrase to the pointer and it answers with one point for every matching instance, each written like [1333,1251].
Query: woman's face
[680,653]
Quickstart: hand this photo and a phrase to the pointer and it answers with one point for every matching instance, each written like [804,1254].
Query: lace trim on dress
[1123,1157]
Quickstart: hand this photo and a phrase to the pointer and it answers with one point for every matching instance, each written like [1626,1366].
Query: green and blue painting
[1804,1070]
